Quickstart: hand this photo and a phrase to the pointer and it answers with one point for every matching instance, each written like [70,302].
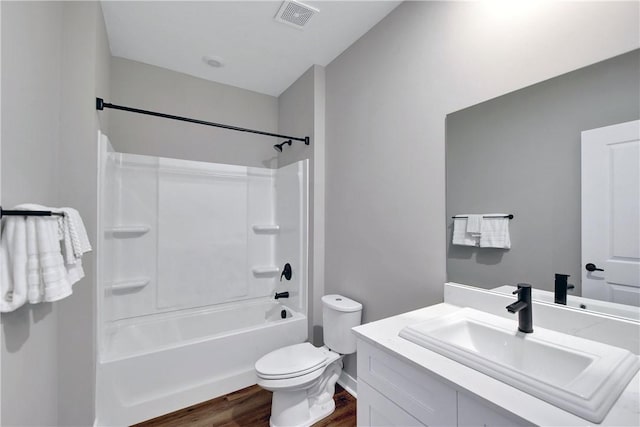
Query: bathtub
[151,367]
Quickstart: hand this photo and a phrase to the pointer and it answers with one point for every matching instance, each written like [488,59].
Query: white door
[611,213]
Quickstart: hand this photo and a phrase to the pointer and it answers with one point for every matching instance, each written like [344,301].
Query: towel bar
[28,213]
[510,216]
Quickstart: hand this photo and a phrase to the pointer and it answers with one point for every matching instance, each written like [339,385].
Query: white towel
[494,232]
[13,264]
[75,243]
[34,279]
[460,235]
[48,277]
[75,272]
[54,284]
[67,243]
[76,232]
[474,223]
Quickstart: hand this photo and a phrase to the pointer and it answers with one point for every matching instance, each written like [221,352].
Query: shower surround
[190,257]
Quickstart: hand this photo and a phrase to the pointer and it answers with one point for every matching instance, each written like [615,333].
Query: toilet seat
[292,383]
[292,361]
[271,368]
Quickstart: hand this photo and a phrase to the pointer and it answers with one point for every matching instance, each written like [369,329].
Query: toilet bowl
[302,377]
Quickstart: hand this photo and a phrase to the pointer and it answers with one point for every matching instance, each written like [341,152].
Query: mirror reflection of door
[611,213]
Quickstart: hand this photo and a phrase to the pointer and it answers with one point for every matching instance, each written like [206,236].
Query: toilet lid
[291,360]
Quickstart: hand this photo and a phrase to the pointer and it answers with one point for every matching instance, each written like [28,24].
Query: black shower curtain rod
[101,105]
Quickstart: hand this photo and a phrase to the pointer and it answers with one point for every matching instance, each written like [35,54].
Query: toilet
[303,377]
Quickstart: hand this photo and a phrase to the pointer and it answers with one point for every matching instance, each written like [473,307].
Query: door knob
[592,267]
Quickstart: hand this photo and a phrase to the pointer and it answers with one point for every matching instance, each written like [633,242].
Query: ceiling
[257,52]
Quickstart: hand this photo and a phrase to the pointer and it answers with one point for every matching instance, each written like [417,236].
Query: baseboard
[348,383]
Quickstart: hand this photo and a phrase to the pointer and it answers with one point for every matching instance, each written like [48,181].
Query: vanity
[403,383]
[470,362]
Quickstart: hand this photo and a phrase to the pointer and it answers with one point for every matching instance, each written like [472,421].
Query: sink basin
[580,376]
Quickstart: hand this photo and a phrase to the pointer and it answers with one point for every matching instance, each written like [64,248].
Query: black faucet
[523,307]
[561,287]
[281,295]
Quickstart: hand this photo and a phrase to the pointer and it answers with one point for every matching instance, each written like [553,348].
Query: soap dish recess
[129,285]
[266,228]
[124,231]
[266,271]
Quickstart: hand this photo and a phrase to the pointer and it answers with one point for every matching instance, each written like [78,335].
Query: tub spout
[281,295]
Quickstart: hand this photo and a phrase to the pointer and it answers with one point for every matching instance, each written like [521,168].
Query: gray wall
[53,56]
[520,154]
[387,98]
[301,112]
[30,141]
[148,87]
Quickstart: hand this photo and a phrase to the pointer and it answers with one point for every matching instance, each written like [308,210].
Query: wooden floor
[249,407]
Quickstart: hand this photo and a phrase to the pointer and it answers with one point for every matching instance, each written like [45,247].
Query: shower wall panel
[202,242]
[181,235]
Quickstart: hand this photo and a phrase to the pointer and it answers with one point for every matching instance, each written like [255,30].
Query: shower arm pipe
[101,105]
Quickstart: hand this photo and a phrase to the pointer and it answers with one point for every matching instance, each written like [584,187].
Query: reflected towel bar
[510,216]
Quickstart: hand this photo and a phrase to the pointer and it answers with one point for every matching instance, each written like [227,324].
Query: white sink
[580,376]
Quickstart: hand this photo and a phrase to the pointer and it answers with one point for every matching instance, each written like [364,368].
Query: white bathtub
[153,367]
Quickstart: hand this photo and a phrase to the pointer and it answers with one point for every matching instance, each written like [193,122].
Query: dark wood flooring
[248,407]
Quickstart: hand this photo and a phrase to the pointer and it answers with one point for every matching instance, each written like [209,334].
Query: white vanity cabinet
[395,392]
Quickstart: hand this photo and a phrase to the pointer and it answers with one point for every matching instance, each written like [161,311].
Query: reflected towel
[460,235]
[474,224]
[494,232]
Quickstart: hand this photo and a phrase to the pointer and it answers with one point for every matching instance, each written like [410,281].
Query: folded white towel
[67,243]
[460,235]
[75,243]
[52,268]
[32,266]
[75,272]
[75,230]
[49,278]
[13,264]
[34,280]
[494,232]
[474,223]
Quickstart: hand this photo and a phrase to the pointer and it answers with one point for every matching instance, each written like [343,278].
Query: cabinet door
[411,388]
[472,412]
[376,410]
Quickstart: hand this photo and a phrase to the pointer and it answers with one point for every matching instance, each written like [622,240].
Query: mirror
[520,154]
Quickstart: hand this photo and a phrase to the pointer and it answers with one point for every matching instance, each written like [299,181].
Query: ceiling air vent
[295,13]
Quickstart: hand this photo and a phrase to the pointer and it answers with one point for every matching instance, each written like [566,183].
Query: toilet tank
[339,315]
